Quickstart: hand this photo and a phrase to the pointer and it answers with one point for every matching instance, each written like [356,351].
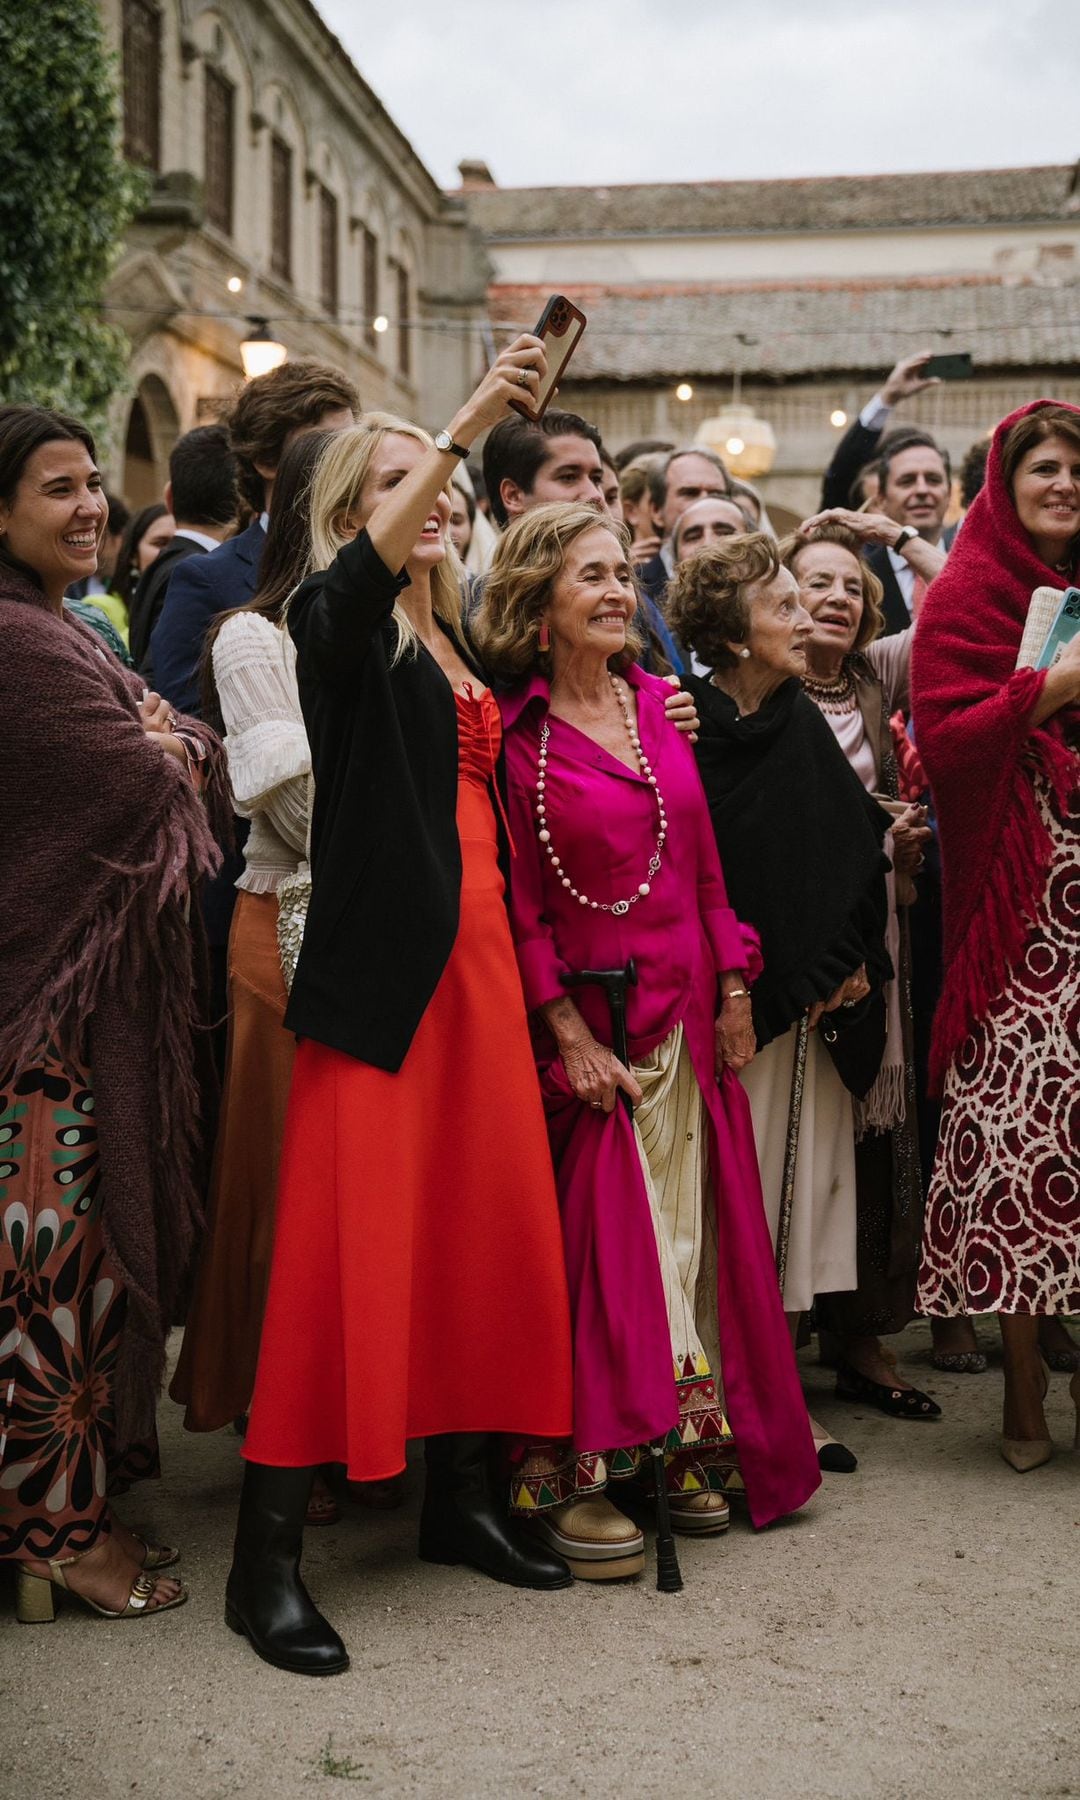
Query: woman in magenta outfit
[678,1326]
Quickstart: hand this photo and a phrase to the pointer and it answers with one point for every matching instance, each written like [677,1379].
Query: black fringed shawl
[800,840]
[105,841]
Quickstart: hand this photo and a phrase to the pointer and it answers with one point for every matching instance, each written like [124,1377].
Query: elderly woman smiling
[802,844]
[671,1278]
[858,680]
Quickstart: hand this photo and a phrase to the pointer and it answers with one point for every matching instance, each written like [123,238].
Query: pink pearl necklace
[644,888]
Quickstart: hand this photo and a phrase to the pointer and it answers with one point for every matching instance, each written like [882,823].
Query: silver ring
[596,1103]
[523,377]
[847,1002]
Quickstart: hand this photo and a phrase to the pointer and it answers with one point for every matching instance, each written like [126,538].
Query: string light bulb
[838,417]
[382,323]
[234,284]
[684,391]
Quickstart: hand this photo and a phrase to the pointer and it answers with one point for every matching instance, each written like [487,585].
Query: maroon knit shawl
[972,708]
[104,842]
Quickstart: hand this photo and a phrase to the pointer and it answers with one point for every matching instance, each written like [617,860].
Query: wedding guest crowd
[591,1041]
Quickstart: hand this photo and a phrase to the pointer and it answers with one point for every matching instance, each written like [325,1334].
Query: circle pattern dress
[1003,1218]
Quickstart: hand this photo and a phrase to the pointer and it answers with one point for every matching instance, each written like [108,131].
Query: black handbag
[854,1036]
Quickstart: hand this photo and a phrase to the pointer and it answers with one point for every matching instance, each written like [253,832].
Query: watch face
[443,440]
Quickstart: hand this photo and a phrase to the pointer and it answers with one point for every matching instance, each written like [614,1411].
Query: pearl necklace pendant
[543,831]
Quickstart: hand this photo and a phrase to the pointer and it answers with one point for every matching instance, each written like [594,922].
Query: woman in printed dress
[99,1143]
[999,742]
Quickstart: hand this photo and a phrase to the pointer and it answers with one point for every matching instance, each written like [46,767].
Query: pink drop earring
[544,639]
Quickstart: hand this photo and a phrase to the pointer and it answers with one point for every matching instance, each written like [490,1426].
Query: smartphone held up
[561,326]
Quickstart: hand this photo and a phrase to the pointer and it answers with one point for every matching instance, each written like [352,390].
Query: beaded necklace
[544,834]
[836,696]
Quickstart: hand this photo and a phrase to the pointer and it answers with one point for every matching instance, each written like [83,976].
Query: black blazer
[149,598]
[897,617]
[855,449]
[204,587]
[385,855]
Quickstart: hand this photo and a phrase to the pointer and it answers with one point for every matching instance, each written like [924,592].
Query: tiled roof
[649,333]
[831,203]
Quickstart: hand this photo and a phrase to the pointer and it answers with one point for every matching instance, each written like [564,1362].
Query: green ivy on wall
[66,198]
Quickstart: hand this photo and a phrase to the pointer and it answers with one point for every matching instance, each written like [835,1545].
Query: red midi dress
[418,1283]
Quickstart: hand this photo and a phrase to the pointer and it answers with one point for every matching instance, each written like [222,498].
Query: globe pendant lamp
[746,443]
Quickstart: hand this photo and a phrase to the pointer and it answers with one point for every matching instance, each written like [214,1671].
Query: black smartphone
[955,366]
[561,325]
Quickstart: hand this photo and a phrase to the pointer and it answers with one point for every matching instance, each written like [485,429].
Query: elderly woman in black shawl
[801,841]
[99,1123]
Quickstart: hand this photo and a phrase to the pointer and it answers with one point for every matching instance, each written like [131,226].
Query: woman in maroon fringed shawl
[105,839]
[1000,746]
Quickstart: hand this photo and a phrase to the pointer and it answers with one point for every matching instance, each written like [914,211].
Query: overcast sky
[558,91]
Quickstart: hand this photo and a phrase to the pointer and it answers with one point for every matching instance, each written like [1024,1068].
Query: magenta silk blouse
[603,821]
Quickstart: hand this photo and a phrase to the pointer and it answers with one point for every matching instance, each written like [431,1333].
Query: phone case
[561,325]
[952,366]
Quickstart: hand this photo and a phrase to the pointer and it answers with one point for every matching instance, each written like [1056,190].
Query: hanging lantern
[261,351]
[746,443]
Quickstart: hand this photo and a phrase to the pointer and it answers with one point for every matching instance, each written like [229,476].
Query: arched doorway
[152,430]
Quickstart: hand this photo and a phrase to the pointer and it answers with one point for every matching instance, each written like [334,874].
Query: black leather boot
[265,1599]
[462,1520]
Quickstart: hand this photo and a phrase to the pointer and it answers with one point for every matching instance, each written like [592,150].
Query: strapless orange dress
[417,1283]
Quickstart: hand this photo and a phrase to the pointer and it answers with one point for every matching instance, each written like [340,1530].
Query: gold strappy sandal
[158,1556]
[35,1595]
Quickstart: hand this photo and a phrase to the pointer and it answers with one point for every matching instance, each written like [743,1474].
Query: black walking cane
[614,983]
[791,1149]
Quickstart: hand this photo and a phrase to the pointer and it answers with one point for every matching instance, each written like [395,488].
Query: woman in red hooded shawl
[1000,745]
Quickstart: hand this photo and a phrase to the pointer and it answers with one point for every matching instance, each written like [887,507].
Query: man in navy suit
[201,496]
[269,412]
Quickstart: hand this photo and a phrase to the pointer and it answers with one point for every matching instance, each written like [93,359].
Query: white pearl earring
[744,652]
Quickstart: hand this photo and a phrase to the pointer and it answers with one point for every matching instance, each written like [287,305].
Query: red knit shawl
[972,708]
[105,842]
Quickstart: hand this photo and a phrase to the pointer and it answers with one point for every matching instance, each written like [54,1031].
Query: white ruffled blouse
[266,745]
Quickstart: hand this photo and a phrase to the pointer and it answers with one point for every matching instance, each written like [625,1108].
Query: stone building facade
[806,291]
[277,167]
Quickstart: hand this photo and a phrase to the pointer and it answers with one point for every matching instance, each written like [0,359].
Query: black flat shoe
[899,1403]
[836,1459]
[959,1362]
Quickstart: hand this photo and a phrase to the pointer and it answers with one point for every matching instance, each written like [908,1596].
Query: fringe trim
[124,985]
[885,1106]
[997,926]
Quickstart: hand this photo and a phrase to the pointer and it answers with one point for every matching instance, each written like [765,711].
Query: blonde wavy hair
[340,475]
[527,562]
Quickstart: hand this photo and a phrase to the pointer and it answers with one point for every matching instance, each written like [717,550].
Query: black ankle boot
[462,1521]
[265,1599]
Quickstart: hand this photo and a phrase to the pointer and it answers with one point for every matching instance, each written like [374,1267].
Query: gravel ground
[915,1631]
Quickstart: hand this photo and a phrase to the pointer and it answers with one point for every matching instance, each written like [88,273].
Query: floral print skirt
[61,1315]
